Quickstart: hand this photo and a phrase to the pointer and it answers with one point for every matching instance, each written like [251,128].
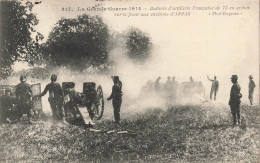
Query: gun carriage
[78,105]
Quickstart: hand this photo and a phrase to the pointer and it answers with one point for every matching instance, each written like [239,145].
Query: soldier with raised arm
[234,100]
[214,87]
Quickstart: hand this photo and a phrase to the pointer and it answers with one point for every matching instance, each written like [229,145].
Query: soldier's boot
[64,121]
[238,119]
[234,119]
[30,121]
[251,101]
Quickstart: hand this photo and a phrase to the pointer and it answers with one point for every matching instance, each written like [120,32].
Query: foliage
[138,44]
[200,133]
[77,43]
[17,27]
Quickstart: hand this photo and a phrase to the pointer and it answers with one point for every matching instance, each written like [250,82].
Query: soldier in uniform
[91,95]
[149,87]
[168,89]
[234,100]
[6,109]
[23,94]
[214,87]
[191,79]
[55,99]
[251,87]
[116,95]
[71,99]
[157,86]
[174,88]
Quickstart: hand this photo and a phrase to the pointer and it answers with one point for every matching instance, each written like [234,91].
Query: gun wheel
[99,109]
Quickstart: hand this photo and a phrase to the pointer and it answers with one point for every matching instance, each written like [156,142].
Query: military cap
[23,78]
[234,77]
[53,77]
[250,76]
[116,78]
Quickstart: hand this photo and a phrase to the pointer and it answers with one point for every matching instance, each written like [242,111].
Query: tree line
[76,43]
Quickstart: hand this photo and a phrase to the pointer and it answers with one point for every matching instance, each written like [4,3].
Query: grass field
[200,133]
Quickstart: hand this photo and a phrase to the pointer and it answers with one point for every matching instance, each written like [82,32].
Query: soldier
[168,89]
[91,95]
[174,88]
[157,86]
[55,99]
[6,108]
[251,87]
[116,95]
[149,87]
[191,79]
[214,87]
[23,94]
[71,99]
[234,100]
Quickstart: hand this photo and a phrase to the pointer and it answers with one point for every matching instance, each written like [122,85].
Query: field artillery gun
[79,107]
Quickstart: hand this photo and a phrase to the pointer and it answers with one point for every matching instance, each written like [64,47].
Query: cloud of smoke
[162,63]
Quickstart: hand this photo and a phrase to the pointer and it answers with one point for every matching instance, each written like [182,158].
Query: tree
[16,30]
[78,43]
[138,44]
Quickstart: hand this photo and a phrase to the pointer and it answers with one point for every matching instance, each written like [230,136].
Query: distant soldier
[214,87]
[91,96]
[149,87]
[116,95]
[251,87]
[23,94]
[157,86]
[168,88]
[174,87]
[55,99]
[234,100]
[191,79]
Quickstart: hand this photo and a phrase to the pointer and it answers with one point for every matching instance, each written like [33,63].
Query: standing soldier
[55,99]
[251,87]
[174,88]
[116,95]
[168,89]
[157,85]
[234,100]
[23,94]
[214,87]
[149,87]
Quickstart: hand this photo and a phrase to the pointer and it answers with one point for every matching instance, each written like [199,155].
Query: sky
[206,43]
[197,45]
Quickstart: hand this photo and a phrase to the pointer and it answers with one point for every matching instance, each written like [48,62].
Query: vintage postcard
[129,81]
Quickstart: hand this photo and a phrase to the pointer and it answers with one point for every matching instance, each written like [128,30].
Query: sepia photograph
[109,81]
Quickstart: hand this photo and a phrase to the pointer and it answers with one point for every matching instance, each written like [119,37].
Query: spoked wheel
[99,109]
